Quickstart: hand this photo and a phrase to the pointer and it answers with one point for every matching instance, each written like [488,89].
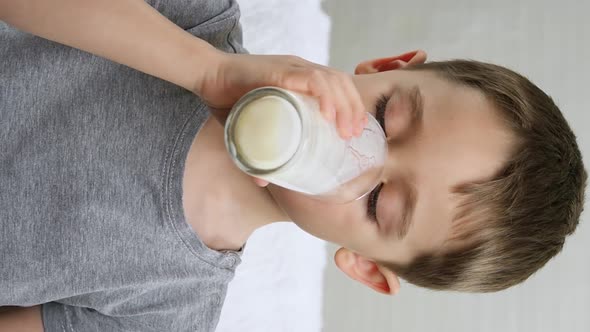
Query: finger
[319,87]
[311,82]
[359,117]
[327,108]
[344,124]
[344,116]
[260,182]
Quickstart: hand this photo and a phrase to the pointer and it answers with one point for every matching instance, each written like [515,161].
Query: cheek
[336,223]
[299,208]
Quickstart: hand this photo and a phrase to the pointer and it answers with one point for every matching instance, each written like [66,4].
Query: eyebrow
[417,110]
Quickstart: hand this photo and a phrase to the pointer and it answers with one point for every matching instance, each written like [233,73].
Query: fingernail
[357,130]
[332,114]
[347,132]
[328,114]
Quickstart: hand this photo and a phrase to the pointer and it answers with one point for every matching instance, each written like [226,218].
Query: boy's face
[457,139]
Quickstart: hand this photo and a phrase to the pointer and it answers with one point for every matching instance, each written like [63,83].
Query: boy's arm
[133,33]
[129,32]
[21,320]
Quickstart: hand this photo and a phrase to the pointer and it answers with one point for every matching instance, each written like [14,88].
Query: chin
[328,221]
[294,204]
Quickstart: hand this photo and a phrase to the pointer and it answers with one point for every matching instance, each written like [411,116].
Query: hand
[236,74]
[233,75]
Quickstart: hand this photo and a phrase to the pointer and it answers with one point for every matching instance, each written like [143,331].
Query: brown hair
[519,219]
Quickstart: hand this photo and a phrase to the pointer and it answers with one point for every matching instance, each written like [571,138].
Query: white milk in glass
[281,136]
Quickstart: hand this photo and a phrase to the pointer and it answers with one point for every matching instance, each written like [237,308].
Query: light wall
[549,42]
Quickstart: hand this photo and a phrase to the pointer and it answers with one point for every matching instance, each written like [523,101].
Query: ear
[391,63]
[367,272]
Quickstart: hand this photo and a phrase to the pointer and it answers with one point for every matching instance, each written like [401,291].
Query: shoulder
[190,14]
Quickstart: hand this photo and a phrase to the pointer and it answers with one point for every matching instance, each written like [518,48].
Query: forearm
[21,320]
[129,32]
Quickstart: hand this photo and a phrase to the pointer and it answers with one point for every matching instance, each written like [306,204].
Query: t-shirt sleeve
[59,317]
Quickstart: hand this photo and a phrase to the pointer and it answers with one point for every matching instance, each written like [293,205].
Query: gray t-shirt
[91,163]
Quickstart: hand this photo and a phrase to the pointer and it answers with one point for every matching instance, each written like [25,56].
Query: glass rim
[235,114]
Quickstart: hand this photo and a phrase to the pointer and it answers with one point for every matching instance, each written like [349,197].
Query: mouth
[372,203]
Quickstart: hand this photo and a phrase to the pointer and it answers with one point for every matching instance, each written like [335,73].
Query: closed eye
[372,203]
[415,110]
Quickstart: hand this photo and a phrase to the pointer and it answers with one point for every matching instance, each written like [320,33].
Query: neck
[221,203]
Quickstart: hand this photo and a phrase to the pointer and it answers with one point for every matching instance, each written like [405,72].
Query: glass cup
[281,136]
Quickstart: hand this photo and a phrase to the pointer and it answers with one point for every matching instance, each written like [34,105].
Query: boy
[121,210]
